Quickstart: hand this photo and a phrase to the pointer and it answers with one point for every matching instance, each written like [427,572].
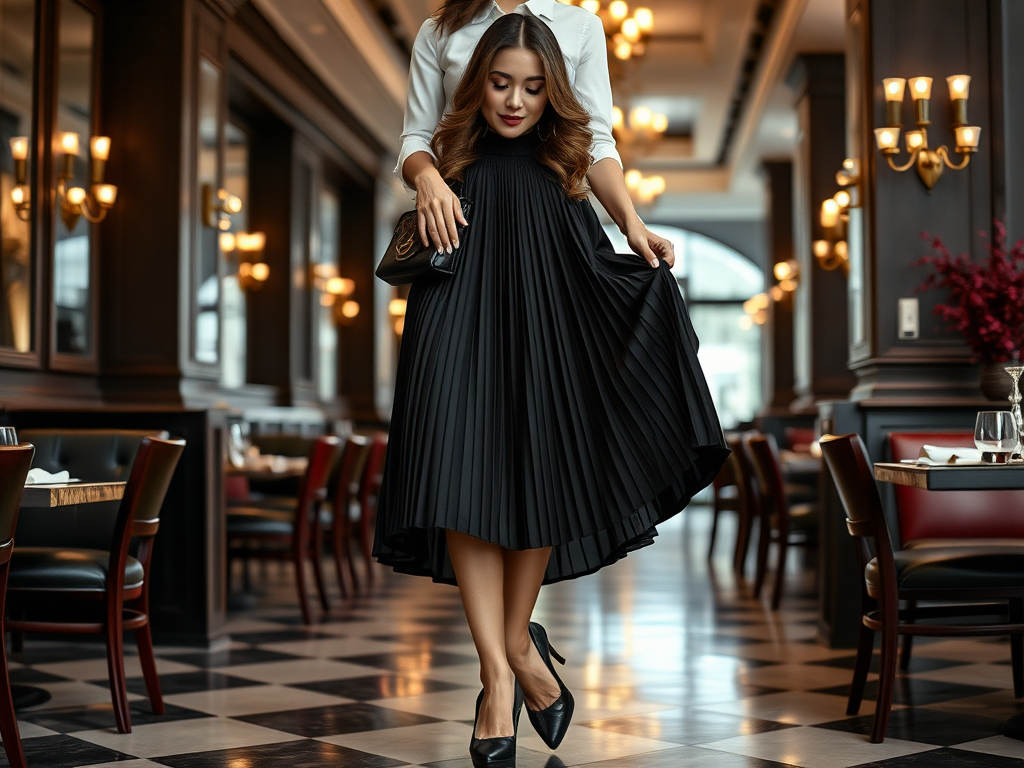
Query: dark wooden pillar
[777,339]
[908,38]
[819,313]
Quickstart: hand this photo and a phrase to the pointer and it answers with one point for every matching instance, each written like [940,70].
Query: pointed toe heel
[499,752]
[552,722]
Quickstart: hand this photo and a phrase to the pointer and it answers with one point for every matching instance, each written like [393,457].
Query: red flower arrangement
[986,300]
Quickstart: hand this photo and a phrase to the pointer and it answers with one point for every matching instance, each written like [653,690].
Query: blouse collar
[541,8]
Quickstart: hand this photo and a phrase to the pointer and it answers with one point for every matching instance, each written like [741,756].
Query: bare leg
[479,569]
[524,572]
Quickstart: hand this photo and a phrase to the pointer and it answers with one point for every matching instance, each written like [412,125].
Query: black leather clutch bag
[407,259]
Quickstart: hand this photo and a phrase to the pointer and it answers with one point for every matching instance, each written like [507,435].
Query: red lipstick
[511,119]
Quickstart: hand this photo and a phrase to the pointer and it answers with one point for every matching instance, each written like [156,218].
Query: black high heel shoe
[499,752]
[551,723]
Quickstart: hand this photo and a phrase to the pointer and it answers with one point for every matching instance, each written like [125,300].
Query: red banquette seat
[934,517]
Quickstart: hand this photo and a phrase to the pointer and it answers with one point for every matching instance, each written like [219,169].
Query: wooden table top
[952,477]
[69,494]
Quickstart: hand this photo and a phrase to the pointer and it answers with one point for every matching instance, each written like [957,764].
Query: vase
[995,382]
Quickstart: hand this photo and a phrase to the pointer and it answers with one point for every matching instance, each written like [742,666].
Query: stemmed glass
[996,433]
[8,436]
[1014,372]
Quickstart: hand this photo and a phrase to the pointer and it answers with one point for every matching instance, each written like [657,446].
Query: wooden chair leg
[886,677]
[339,553]
[739,561]
[347,544]
[366,544]
[1017,647]
[317,557]
[715,511]
[144,641]
[865,647]
[765,537]
[908,642]
[299,559]
[115,667]
[780,573]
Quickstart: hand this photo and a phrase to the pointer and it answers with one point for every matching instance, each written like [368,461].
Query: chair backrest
[345,481]
[951,514]
[764,458]
[313,488]
[855,481]
[139,513]
[15,461]
[750,494]
[373,474]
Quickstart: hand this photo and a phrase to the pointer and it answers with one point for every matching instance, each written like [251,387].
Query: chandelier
[626,33]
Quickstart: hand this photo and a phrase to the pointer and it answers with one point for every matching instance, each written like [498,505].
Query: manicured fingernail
[456,243]
[655,263]
[449,249]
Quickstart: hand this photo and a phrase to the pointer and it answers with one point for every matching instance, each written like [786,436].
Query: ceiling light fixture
[626,33]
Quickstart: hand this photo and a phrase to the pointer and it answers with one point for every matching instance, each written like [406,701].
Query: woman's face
[516,93]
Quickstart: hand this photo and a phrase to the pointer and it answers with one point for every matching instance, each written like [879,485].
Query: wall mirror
[17,281]
[73,248]
[206,277]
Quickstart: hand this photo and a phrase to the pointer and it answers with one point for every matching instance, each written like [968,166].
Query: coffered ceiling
[691,72]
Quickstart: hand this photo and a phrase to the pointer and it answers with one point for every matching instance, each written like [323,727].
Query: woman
[439,57]
[549,407]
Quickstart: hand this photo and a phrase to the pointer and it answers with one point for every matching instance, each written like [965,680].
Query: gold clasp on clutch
[406,239]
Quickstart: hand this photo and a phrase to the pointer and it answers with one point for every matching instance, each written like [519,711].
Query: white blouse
[439,63]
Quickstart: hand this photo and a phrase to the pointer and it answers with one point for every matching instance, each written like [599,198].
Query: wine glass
[8,436]
[995,432]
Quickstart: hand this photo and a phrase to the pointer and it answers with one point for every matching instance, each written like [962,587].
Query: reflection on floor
[671,667]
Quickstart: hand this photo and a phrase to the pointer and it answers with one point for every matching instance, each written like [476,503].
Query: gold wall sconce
[73,202]
[20,192]
[252,270]
[788,274]
[336,292]
[832,251]
[218,207]
[930,163]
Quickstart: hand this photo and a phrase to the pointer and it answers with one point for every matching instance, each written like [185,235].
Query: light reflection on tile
[251,700]
[182,736]
[985,675]
[297,671]
[793,707]
[427,743]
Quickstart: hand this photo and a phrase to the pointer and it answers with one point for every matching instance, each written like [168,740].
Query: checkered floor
[671,665]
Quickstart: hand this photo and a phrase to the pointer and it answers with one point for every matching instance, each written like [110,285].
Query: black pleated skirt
[547,394]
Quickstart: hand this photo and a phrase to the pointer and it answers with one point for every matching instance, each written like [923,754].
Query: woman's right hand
[438,211]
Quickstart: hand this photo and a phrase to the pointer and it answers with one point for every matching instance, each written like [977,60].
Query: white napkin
[939,454]
[42,477]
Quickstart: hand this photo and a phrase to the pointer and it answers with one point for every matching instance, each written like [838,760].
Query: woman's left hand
[650,246]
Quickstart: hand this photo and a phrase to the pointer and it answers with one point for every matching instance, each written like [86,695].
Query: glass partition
[323,305]
[17,51]
[233,303]
[206,280]
[72,251]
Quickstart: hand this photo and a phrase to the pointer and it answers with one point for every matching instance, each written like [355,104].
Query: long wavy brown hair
[564,126]
[455,14]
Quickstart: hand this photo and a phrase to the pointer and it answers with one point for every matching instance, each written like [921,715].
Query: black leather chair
[15,461]
[56,588]
[980,581]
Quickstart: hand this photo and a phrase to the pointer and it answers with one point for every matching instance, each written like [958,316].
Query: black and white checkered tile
[670,666]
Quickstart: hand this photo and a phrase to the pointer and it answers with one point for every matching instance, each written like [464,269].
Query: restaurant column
[820,311]
[778,336]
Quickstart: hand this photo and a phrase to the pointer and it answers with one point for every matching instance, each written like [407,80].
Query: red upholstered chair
[343,492]
[799,439]
[368,493]
[725,496]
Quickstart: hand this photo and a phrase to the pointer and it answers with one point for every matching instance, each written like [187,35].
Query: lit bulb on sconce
[69,143]
[250,242]
[829,213]
[821,248]
[959,86]
[105,194]
[340,286]
[888,139]
[914,139]
[967,138]
[227,241]
[260,271]
[920,88]
[19,148]
[644,19]
[842,198]
[19,195]
[76,195]
[100,147]
[618,10]
[633,178]
[618,119]
[591,5]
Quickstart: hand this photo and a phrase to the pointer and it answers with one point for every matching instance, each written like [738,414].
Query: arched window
[715,280]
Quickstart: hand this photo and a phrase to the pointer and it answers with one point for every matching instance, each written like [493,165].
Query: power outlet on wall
[909,324]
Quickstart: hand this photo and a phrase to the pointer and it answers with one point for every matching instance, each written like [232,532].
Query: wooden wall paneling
[936,38]
[306,179]
[269,309]
[820,312]
[778,333]
[358,340]
[1007,130]
[144,241]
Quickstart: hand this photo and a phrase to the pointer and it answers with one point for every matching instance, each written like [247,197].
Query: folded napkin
[42,477]
[938,454]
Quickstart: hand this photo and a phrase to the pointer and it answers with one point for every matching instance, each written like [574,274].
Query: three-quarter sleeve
[594,85]
[424,102]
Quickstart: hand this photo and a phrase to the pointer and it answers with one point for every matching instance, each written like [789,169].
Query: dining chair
[750,500]
[295,535]
[369,492]
[783,522]
[979,581]
[15,461]
[343,494]
[49,586]
[725,496]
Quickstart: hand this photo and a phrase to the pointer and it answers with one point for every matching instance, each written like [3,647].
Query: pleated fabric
[547,394]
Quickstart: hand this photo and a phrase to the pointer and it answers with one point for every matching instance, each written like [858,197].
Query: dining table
[972,476]
[38,496]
